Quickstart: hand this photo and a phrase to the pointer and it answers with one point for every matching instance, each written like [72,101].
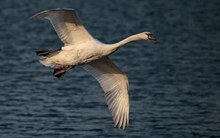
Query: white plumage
[80,48]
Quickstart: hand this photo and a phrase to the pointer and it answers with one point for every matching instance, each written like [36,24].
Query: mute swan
[80,48]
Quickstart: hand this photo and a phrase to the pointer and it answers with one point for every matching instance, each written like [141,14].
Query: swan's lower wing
[67,25]
[115,85]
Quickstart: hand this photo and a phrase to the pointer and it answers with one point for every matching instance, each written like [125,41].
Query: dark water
[174,83]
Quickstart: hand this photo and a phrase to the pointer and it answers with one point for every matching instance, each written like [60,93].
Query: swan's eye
[150,36]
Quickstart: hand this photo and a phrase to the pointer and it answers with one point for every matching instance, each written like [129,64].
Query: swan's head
[147,36]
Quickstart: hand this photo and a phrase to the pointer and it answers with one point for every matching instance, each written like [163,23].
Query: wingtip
[43,14]
[39,15]
[60,9]
[122,125]
[32,17]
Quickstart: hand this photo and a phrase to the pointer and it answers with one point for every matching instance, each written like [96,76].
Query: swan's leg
[61,71]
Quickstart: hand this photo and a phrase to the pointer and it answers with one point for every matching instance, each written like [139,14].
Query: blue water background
[174,82]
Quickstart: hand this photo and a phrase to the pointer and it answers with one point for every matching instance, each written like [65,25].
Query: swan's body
[80,48]
[75,54]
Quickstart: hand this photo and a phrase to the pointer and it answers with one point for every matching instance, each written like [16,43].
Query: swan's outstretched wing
[67,25]
[115,85]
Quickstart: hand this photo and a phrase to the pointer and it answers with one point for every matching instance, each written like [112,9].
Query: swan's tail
[59,70]
[47,52]
[45,57]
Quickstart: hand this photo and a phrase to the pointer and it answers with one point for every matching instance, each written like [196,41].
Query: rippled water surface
[174,82]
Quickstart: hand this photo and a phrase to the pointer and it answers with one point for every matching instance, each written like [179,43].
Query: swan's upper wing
[67,25]
[115,85]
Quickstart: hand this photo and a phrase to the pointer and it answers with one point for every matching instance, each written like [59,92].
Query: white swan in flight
[80,48]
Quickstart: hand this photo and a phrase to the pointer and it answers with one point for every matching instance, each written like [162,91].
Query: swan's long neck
[110,48]
[126,40]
